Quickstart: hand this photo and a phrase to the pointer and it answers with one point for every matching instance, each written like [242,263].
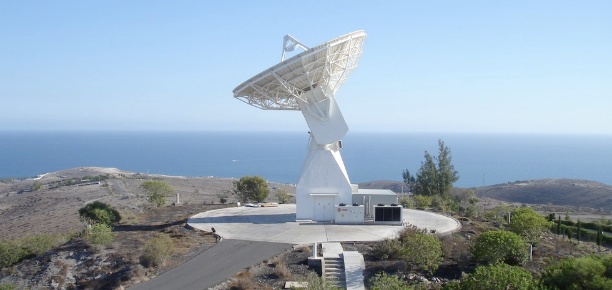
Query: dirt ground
[54,209]
[50,203]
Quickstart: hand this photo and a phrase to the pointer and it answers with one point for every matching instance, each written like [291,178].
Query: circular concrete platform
[277,224]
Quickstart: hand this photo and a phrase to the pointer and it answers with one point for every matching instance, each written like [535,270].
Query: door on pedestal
[324,208]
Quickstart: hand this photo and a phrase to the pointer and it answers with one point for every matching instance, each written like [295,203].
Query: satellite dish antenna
[308,82]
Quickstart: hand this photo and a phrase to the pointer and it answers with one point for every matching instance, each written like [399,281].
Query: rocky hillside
[573,192]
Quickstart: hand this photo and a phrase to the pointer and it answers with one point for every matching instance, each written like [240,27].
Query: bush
[388,249]
[456,248]
[316,282]
[8,287]
[527,223]
[422,250]
[223,196]
[242,281]
[439,203]
[494,247]
[498,277]
[41,243]
[382,281]
[99,212]
[11,253]
[99,234]
[579,273]
[406,202]
[281,270]
[157,250]
[283,196]
[422,201]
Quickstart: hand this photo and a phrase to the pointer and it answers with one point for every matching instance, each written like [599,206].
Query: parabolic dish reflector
[325,67]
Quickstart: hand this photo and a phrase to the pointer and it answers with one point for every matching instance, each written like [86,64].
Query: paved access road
[253,234]
[213,266]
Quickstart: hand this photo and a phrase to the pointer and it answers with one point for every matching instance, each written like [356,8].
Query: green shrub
[416,247]
[388,249]
[41,243]
[99,212]
[498,277]
[406,202]
[8,287]
[494,247]
[382,281]
[99,234]
[316,282]
[579,273]
[422,250]
[528,224]
[422,201]
[11,253]
[157,250]
[36,186]
[283,196]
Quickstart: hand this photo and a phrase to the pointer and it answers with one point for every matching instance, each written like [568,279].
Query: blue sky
[427,66]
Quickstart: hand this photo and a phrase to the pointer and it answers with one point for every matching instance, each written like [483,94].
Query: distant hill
[571,192]
[395,186]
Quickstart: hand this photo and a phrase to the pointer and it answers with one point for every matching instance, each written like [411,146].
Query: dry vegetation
[33,206]
[30,207]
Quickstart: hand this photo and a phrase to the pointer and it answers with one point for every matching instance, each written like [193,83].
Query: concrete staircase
[334,272]
[342,269]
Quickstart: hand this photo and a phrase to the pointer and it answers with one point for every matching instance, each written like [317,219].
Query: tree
[494,247]
[498,277]
[447,175]
[426,177]
[251,188]
[99,212]
[409,180]
[528,224]
[157,190]
[578,230]
[599,236]
[436,175]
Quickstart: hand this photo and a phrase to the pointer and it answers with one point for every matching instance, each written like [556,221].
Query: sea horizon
[480,158]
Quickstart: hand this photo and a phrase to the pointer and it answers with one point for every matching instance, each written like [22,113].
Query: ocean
[481,159]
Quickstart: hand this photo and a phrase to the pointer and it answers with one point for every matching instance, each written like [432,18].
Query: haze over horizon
[475,67]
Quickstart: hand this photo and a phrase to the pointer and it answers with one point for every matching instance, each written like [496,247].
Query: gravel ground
[43,205]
